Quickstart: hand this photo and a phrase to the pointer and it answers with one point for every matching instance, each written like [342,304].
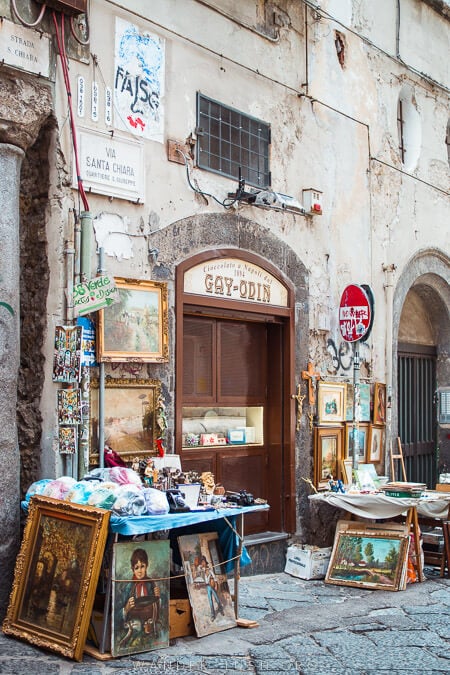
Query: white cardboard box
[307,562]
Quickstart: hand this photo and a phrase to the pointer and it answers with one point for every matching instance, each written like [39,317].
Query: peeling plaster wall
[334,128]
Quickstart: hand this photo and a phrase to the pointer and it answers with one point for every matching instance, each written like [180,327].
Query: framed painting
[364,402]
[132,411]
[363,437]
[140,596]
[331,402]
[379,403]
[328,444]
[137,327]
[346,471]
[371,559]
[207,585]
[56,575]
[375,450]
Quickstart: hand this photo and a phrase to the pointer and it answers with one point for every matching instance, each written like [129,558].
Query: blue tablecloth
[196,521]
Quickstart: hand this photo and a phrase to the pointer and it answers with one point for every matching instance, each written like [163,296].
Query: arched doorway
[423,369]
[234,355]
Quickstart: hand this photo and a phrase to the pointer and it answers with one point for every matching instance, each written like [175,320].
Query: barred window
[231,143]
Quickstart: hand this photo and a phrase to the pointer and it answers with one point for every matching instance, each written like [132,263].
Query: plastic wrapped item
[124,476]
[37,488]
[129,501]
[80,492]
[103,496]
[155,501]
[59,488]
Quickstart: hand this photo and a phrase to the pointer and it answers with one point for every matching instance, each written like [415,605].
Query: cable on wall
[65,70]
[26,23]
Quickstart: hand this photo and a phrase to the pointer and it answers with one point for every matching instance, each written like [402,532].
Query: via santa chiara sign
[110,165]
[235,279]
[354,313]
[98,293]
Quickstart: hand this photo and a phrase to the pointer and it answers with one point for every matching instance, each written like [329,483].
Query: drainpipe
[101,384]
[389,292]
[71,460]
[83,248]
[86,240]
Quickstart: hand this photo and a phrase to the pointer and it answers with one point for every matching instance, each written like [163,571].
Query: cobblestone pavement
[305,627]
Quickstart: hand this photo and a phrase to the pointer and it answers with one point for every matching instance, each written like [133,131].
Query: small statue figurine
[148,472]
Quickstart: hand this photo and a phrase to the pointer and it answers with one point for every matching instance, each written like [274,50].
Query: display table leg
[237,562]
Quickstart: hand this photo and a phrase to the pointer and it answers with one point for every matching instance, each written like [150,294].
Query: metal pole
[101,385]
[356,407]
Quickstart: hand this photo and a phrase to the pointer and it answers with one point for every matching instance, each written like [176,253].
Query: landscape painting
[372,560]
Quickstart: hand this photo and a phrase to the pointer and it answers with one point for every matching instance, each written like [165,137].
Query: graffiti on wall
[139,81]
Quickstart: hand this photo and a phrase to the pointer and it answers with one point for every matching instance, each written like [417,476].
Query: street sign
[98,293]
[354,313]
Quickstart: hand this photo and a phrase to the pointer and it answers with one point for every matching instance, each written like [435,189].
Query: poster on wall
[68,440]
[139,81]
[67,354]
[69,406]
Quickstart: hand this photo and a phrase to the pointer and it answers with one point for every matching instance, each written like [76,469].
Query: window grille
[444,406]
[400,126]
[231,143]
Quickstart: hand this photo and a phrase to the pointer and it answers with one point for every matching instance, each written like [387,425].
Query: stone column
[10,164]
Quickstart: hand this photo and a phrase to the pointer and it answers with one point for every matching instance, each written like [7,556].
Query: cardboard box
[443,487]
[307,562]
[180,618]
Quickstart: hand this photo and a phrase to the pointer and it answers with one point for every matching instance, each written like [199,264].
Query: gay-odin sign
[354,313]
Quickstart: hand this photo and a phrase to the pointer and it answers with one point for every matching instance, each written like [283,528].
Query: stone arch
[427,276]
[215,231]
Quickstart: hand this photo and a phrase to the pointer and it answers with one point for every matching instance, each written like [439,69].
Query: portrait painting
[375,452]
[136,328]
[56,575]
[379,403]
[140,596]
[206,580]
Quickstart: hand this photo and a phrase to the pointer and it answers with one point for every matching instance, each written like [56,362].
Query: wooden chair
[398,456]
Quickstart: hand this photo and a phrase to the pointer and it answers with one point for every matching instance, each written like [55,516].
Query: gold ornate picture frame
[56,575]
[132,417]
[137,327]
[328,449]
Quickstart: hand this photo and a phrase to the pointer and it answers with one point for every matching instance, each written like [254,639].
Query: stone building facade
[351,103]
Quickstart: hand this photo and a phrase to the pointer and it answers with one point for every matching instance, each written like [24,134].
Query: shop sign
[235,279]
[98,293]
[24,48]
[110,165]
[354,313]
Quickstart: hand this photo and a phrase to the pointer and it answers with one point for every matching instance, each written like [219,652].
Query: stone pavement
[305,627]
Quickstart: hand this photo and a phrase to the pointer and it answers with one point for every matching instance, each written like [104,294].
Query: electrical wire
[226,203]
[26,23]
[65,70]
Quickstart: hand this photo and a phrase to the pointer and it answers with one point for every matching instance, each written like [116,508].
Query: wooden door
[233,363]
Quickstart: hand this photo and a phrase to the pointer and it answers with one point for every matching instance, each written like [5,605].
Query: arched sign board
[355,313]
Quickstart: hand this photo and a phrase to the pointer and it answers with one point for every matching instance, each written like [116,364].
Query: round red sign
[354,313]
